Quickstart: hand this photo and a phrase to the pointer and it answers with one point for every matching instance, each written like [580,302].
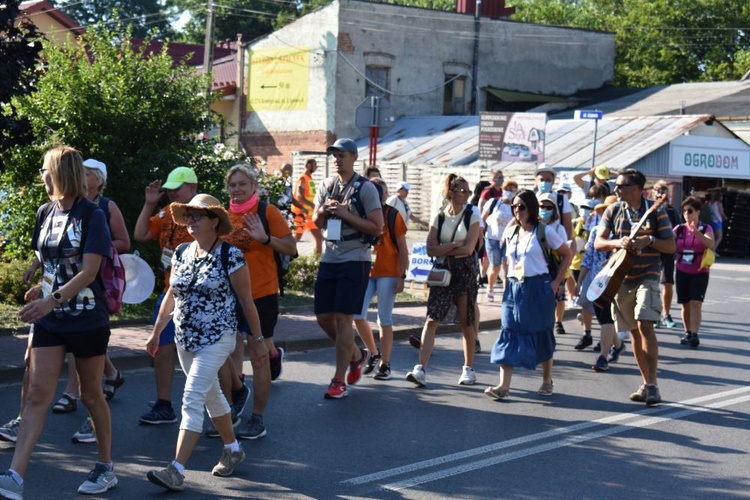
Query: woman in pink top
[692,239]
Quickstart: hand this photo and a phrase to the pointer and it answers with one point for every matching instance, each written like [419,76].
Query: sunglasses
[519,207]
[462,190]
[547,207]
[195,216]
[688,211]
[622,186]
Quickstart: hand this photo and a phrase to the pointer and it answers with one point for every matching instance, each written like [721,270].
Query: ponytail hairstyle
[451,182]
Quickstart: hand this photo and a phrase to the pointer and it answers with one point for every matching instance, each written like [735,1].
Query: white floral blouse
[205,303]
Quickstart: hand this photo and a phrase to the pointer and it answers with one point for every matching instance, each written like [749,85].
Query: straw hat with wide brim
[607,202]
[207,203]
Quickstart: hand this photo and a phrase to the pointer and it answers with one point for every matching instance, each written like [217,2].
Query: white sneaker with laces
[417,376]
[468,376]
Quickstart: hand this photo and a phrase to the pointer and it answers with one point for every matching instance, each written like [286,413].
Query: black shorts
[340,288]
[691,287]
[604,315]
[268,315]
[667,268]
[86,344]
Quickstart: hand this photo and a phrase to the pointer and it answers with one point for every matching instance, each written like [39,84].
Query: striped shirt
[619,220]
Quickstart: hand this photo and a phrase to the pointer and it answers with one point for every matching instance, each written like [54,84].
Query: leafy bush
[12,286]
[302,273]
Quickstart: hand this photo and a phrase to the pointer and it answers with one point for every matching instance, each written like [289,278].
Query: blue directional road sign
[582,114]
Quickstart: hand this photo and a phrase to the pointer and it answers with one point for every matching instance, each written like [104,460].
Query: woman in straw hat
[205,287]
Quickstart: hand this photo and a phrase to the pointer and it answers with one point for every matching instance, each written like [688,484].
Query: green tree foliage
[137,113]
[19,52]
[658,41]
[143,16]
[251,18]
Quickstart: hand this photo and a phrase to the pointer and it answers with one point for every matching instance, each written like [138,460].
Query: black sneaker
[277,363]
[585,341]
[614,353]
[384,372]
[161,413]
[211,429]
[255,429]
[477,347]
[415,341]
[652,395]
[695,341]
[559,329]
[685,340]
[597,347]
[372,363]
[239,399]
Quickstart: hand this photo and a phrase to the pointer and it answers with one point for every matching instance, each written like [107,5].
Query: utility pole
[475,62]
[208,49]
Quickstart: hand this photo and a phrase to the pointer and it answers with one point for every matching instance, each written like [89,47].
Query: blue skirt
[528,318]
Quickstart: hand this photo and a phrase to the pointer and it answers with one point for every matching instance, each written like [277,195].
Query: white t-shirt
[400,205]
[450,222]
[496,221]
[525,250]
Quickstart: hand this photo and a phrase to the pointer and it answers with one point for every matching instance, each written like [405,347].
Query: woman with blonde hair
[453,237]
[68,313]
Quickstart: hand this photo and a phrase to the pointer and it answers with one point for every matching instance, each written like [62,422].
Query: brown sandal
[65,404]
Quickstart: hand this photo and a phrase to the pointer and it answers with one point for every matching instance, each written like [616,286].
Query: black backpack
[367,239]
[283,261]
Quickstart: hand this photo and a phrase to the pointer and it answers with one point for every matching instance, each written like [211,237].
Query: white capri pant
[202,384]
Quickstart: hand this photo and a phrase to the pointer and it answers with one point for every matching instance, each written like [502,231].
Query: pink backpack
[112,274]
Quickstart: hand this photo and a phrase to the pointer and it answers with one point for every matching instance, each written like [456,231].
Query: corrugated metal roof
[453,140]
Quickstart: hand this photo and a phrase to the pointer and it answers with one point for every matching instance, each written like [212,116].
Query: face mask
[545,215]
[508,194]
[545,187]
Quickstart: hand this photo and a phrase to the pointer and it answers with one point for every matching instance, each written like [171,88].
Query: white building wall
[421,47]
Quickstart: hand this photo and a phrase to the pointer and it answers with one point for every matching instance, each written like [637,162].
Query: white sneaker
[624,336]
[468,376]
[417,376]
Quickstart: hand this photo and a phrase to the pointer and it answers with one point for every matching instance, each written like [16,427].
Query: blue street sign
[582,114]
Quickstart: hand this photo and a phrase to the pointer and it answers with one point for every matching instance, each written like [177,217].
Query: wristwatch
[268,240]
[651,240]
[258,339]
[403,276]
[57,297]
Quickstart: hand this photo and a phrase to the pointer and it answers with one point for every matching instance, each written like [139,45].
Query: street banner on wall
[278,79]
[512,136]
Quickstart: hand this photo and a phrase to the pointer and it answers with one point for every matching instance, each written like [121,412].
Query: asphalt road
[391,440]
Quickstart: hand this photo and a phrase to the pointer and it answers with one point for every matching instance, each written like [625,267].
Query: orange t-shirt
[170,235]
[386,250]
[309,190]
[259,257]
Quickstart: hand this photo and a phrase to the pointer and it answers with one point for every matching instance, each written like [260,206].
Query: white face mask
[508,194]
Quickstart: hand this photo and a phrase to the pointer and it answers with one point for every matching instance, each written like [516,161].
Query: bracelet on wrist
[258,339]
[268,240]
